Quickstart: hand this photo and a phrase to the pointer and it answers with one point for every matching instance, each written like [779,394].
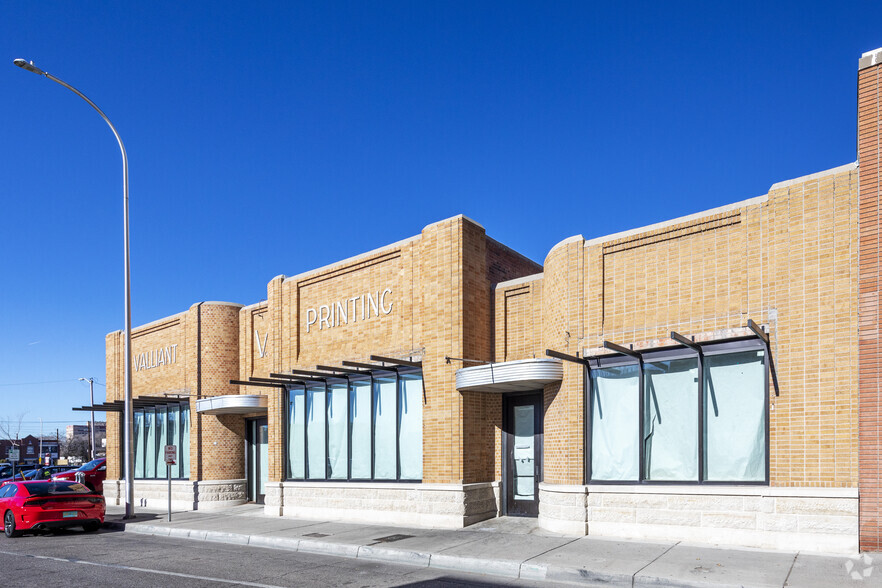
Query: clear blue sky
[270,138]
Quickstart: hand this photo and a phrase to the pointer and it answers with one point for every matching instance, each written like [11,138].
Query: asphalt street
[110,558]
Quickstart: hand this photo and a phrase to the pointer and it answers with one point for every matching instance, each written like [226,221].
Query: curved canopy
[510,376]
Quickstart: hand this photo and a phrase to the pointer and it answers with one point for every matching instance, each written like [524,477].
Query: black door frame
[510,506]
[253,470]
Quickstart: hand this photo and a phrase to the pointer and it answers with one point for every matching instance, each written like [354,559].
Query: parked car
[44,472]
[5,470]
[91,474]
[41,505]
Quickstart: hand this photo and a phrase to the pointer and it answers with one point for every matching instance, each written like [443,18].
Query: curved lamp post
[129,461]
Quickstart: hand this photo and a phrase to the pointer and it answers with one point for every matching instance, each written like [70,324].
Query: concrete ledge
[707,490]
[445,506]
[823,520]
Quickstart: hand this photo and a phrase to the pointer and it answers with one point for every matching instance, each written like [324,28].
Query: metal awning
[232,404]
[510,376]
[322,373]
[139,402]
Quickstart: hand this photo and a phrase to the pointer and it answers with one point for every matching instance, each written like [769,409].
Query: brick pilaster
[869,326]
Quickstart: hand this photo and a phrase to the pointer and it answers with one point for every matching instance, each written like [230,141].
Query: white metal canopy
[510,376]
[232,404]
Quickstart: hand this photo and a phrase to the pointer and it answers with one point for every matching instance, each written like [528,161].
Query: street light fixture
[92,413]
[129,461]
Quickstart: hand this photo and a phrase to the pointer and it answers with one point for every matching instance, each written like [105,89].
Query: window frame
[701,350]
[385,373]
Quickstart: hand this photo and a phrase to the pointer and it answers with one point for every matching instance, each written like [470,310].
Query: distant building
[30,448]
[74,430]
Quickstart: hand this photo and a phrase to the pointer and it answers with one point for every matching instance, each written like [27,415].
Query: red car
[91,474]
[41,505]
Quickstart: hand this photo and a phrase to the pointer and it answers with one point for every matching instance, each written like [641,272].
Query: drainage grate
[316,535]
[391,538]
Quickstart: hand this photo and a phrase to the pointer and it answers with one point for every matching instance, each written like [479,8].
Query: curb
[511,569]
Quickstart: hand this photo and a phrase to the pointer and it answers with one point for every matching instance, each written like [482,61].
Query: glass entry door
[257,452]
[522,453]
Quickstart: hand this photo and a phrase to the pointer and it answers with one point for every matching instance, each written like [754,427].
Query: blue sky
[270,138]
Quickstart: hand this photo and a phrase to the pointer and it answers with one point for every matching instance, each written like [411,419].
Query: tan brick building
[712,378]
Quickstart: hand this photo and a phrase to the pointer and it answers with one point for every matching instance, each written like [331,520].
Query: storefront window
[615,436]
[703,419]
[315,432]
[296,432]
[184,449]
[670,423]
[138,440]
[410,426]
[363,428]
[385,439]
[154,428]
[338,394]
[149,447]
[360,428]
[735,424]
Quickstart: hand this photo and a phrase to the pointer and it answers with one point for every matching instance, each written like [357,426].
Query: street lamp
[92,413]
[129,461]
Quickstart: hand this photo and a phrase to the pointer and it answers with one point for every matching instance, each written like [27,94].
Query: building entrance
[522,453]
[256,456]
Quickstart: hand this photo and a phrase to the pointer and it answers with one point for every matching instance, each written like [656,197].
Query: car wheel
[91,527]
[9,525]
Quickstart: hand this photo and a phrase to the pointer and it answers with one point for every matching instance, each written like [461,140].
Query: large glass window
[385,437]
[735,423]
[671,418]
[615,434]
[410,426]
[338,451]
[149,447]
[296,432]
[138,440]
[154,428]
[670,423]
[362,428]
[315,433]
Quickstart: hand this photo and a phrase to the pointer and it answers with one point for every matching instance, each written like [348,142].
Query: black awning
[139,402]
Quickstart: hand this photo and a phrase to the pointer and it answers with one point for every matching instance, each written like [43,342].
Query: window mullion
[701,419]
[641,473]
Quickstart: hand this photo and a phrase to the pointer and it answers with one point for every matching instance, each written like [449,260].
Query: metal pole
[168,471]
[92,413]
[129,459]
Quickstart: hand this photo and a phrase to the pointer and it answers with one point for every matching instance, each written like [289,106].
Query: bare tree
[76,449]
[10,428]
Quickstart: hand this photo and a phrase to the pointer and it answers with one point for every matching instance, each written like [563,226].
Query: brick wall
[441,300]
[787,260]
[518,319]
[869,151]
[204,342]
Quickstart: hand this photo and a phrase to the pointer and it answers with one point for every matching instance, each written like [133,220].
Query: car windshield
[86,467]
[54,488]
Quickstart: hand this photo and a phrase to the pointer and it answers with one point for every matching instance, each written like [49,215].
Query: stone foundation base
[803,519]
[448,506]
[186,495]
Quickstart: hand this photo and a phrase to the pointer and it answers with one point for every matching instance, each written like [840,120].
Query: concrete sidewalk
[513,548]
